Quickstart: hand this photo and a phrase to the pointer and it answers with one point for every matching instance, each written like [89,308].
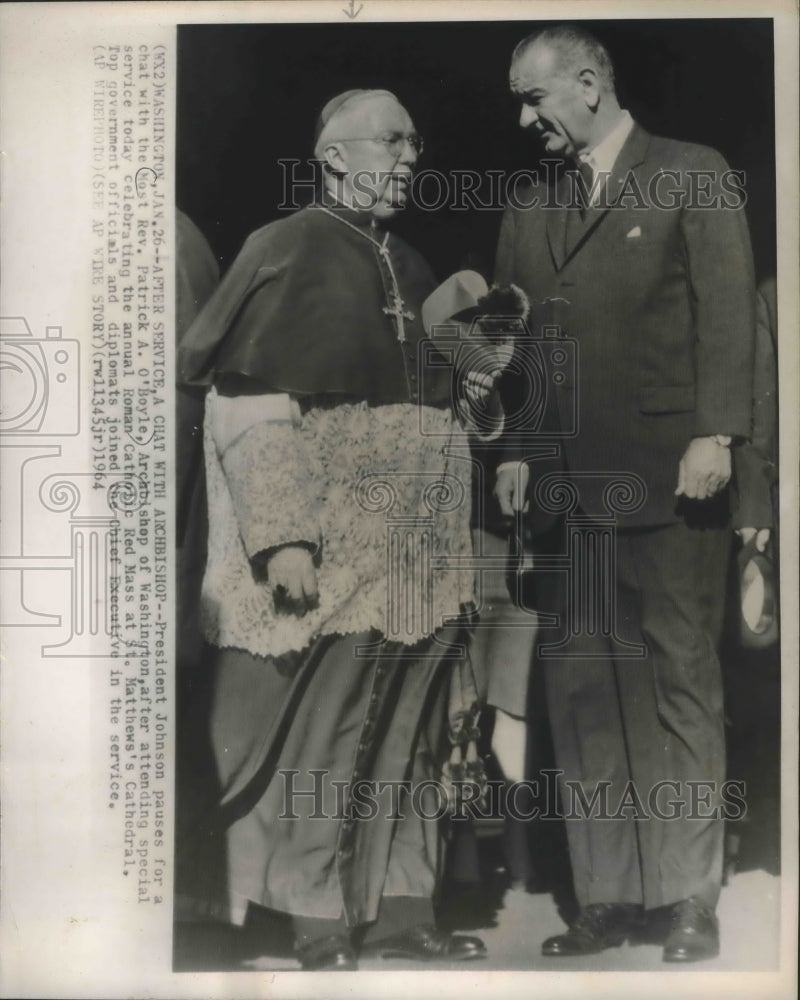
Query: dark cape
[297,313]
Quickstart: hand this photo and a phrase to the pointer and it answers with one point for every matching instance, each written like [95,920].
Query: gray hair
[574,46]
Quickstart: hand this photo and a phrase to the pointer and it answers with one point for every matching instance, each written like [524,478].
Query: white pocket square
[636,231]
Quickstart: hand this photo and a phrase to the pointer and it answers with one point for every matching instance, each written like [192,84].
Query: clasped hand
[704,469]
[293,579]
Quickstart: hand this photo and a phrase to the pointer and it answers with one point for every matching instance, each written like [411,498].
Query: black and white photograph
[399,452]
[483,370]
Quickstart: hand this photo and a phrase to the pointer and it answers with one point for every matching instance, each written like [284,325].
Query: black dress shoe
[333,953]
[598,926]
[425,944]
[694,933]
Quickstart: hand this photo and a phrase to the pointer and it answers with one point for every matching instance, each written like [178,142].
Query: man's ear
[335,158]
[591,88]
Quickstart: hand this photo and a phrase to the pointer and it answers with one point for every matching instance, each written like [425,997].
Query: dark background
[248,95]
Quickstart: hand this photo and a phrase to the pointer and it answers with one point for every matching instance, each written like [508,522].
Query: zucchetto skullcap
[335,107]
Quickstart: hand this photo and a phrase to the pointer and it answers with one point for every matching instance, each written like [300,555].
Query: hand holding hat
[486,322]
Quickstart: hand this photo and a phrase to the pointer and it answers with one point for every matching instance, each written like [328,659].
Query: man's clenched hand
[293,579]
[511,487]
[704,469]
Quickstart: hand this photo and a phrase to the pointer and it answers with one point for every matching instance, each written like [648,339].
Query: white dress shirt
[602,157]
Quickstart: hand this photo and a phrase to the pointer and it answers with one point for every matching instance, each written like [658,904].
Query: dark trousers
[644,734]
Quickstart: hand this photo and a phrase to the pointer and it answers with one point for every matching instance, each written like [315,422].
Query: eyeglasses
[393,141]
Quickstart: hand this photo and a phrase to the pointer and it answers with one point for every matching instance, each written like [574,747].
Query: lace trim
[387,502]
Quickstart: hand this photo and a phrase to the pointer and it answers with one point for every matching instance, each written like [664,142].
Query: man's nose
[527,116]
[409,154]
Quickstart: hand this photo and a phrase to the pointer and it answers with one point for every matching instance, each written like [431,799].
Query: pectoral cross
[399,314]
[397,310]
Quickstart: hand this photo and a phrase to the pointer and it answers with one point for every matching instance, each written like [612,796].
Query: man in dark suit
[641,257]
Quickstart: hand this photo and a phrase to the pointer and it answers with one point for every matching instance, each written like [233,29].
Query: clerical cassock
[323,430]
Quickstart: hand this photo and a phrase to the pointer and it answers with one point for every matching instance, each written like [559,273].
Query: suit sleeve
[755,462]
[513,388]
[504,259]
[754,482]
[504,275]
[717,247]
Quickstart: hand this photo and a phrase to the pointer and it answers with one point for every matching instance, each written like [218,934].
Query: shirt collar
[352,215]
[602,157]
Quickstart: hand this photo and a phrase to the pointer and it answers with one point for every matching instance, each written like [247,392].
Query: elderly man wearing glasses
[313,427]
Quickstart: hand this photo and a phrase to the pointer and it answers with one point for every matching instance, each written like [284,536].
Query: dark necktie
[587,177]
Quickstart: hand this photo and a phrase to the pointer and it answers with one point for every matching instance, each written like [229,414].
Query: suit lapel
[630,156]
[557,223]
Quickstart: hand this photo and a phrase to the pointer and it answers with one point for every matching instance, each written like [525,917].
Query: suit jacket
[658,299]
